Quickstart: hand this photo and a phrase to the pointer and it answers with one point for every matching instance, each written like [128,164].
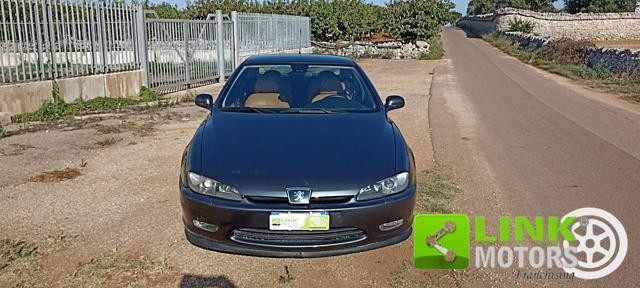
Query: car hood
[263,154]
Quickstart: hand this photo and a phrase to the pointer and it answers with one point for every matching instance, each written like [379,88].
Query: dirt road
[526,142]
[117,221]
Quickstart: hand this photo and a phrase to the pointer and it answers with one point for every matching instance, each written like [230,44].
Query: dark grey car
[297,159]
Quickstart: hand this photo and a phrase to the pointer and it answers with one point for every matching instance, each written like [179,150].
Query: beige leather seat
[267,92]
[328,84]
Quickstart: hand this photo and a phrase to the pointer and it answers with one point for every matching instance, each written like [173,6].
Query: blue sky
[461,5]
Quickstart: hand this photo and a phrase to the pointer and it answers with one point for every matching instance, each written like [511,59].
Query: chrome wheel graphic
[591,243]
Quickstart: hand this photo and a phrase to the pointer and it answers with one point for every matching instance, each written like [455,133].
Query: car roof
[298,58]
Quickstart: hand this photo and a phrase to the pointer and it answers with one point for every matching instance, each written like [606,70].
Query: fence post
[220,45]
[236,51]
[103,37]
[91,12]
[187,59]
[51,39]
[142,44]
[41,72]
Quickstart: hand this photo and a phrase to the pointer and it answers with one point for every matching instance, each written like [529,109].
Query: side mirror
[204,101]
[394,102]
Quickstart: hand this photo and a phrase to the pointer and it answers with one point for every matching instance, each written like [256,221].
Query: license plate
[299,221]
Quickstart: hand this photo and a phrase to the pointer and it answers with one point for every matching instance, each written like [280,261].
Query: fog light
[205,226]
[391,225]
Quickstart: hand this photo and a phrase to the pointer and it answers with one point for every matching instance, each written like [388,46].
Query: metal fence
[266,33]
[51,39]
[47,39]
[185,53]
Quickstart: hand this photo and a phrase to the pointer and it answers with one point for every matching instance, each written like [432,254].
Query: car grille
[264,237]
[319,200]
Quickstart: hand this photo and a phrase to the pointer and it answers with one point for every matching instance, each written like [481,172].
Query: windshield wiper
[243,109]
[308,110]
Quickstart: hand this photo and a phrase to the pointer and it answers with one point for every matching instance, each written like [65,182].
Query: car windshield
[299,88]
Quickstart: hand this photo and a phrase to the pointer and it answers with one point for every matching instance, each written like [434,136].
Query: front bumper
[231,217]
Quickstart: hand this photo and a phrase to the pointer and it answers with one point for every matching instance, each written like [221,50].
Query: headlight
[206,186]
[391,185]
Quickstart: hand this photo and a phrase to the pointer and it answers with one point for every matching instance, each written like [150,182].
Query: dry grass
[436,190]
[56,175]
[16,149]
[21,261]
[630,44]
[141,128]
[106,129]
[106,142]
[112,271]
[286,277]
[13,250]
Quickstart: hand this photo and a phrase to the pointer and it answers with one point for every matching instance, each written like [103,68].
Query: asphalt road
[525,142]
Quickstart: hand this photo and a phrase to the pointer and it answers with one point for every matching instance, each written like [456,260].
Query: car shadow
[206,281]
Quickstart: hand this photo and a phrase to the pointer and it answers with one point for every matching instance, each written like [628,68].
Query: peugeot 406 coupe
[297,158]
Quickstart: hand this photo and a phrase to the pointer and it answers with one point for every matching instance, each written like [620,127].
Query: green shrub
[600,72]
[148,95]
[519,25]
[436,50]
[3,132]
[575,71]
[603,71]
[539,62]
[503,42]
[53,108]
[566,51]
[56,108]
[512,48]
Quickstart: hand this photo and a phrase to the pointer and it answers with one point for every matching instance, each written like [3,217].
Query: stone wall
[620,61]
[583,26]
[528,41]
[387,50]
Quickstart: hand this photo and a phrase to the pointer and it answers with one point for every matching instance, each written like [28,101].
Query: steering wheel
[590,243]
[337,96]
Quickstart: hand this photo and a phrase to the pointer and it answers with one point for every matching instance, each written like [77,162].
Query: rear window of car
[299,88]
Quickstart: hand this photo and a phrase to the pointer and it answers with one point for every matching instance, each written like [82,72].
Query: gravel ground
[118,222]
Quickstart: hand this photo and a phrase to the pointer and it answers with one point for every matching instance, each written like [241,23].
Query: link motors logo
[602,241]
[587,243]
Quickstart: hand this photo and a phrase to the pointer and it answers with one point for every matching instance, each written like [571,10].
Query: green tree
[413,20]
[599,6]
[453,17]
[335,19]
[479,7]
[324,23]
[541,5]
[520,4]
[165,10]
